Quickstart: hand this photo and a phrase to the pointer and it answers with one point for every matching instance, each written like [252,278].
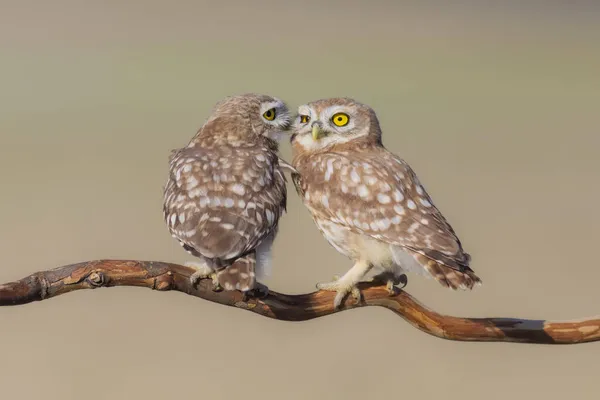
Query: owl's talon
[391,287]
[202,271]
[342,289]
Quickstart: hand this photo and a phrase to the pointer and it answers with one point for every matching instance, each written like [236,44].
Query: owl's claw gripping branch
[165,276]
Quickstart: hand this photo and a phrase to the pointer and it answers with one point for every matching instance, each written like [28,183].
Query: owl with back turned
[226,191]
[368,203]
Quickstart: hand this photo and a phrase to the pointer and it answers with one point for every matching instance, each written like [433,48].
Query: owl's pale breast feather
[224,201]
[373,192]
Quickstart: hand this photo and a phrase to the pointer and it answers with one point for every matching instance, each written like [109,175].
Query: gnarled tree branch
[166,276]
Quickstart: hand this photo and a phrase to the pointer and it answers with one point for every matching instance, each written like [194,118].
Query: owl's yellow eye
[304,119]
[269,114]
[340,119]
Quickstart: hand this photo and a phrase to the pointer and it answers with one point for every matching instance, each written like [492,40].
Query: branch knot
[97,279]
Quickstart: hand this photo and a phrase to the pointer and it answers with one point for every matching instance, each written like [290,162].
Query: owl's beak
[317,132]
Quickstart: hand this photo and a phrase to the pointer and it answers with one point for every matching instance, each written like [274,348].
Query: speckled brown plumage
[369,203]
[226,191]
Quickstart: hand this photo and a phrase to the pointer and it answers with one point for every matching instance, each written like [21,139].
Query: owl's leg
[203,270]
[347,283]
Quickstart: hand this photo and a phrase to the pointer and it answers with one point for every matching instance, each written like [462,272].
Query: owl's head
[324,123]
[250,114]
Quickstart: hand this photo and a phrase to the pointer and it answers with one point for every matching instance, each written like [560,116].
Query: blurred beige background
[495,104]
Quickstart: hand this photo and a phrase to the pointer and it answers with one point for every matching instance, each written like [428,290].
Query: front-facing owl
[368,203]
[226,191]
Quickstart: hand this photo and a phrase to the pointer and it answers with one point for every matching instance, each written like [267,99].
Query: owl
[226,192]
[369,203]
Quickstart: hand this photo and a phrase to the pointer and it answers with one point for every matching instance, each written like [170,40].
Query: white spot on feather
[238,189]
[363,191]
[228,203]
[424,202]
[383,198]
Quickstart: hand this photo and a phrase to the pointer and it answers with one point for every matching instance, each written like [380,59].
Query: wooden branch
[165,276]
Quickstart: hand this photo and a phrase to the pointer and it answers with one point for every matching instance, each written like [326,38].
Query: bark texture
[165,276]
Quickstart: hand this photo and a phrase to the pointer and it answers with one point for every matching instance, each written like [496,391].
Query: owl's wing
[224,201]
[375,193]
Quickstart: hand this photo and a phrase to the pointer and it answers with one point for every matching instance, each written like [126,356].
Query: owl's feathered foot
[343,288]
[203,271]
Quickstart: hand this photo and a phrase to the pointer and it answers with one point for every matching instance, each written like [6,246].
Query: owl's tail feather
[449,277]
[240,275]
